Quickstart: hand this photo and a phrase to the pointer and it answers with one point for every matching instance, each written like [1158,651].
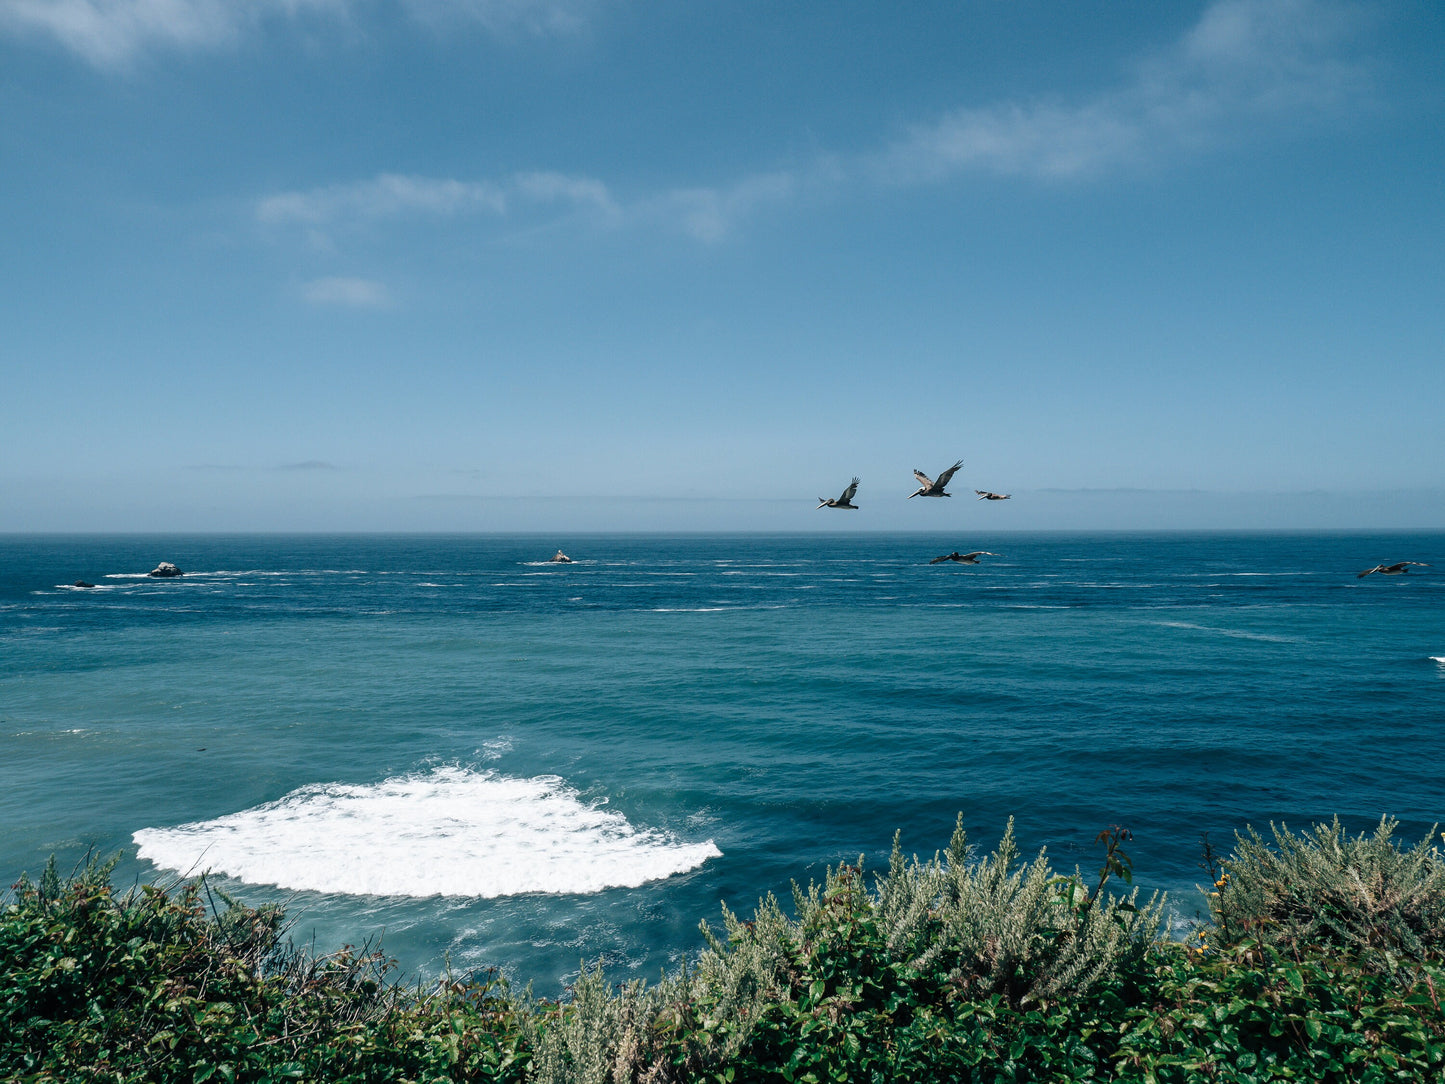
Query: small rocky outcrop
[165,570]
[560,559]
[82,583]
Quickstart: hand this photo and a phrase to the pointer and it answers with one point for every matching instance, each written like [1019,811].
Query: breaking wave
[447,832]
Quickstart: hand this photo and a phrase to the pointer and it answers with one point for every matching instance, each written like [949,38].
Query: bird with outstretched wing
[927,487]
[845,501]
[1399,568]
[963,558]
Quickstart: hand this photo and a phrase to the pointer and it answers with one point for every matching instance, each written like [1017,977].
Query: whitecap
[493,750]
[1237,633]
[447,832]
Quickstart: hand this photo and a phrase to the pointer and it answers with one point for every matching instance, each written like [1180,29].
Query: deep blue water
[512,733]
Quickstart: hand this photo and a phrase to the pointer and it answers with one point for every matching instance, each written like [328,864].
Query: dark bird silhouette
[845,501]
[1397,569]
[985,495]
[963,558]
[927,487]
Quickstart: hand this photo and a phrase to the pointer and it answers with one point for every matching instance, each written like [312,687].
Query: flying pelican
[1397,569]
[845,501]
[927,487]
[963,558]
[985,495]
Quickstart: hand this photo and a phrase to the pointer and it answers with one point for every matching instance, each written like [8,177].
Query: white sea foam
[1437,658]
[446,832]
[1237,633]
[493,750]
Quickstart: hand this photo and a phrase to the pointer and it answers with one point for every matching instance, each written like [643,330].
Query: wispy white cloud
[579,192]
[1244,61]
[110,33]
[392,195]
[113,33]
[710,213]
[352,293]
[385,196]
[505,16]
[705,213]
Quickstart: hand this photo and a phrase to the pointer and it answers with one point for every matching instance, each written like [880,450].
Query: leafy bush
[161,986]
[1251,1014]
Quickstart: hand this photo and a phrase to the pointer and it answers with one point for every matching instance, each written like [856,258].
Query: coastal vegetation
[1322,959]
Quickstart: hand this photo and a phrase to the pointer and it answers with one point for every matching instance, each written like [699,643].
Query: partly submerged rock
[165,570]
[561,559]
[82,583]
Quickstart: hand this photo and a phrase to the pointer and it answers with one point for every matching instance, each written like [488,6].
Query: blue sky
[566,265]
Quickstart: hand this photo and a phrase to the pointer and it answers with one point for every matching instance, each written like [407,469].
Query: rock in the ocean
[82,583]
[165,570]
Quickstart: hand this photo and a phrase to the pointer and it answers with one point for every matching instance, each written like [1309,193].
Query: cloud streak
[703,213]
[112,34]
[389,195]
[347,292]
[1245,60]
[393,195]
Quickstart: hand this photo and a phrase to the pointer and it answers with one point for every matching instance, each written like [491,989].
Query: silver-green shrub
[1005,926]
[996,925]
[601,1037]
[1365,894]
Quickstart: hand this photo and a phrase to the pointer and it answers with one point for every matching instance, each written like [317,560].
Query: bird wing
[923,479]
[949,473]
[1368,571]
[983,494]
[945,557]
[1419,564]
[979,553]
[851,491]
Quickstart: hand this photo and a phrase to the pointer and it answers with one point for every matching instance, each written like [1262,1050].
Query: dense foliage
[995,969]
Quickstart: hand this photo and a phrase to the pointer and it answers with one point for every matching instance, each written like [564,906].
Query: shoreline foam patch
[446,832]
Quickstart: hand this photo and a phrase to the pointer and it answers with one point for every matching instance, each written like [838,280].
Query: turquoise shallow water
[690,719]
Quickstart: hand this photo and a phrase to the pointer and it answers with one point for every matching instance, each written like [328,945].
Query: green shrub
[1253,1014]
[989,971]
[160,986]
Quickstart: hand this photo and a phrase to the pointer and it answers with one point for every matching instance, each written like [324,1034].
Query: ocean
[485,760]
